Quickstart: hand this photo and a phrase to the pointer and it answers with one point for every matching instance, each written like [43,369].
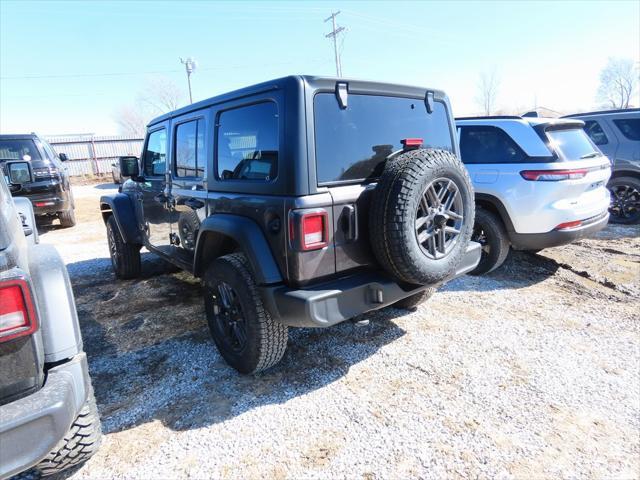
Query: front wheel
[490,233]
[125,257]
[625,200]
[246,335]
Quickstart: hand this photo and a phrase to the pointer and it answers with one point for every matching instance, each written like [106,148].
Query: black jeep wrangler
[300,202]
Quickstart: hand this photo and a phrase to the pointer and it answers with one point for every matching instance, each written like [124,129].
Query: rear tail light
[17,311]
[45,172]
[411,143]
[309,230]
[569,225]
[553,175]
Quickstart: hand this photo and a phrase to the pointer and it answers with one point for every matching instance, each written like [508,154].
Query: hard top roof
[300,80]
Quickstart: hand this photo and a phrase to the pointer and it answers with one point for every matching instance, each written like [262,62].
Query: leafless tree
[488,91]
[159,95]
[618,80]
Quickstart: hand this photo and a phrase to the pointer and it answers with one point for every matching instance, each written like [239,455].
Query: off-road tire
[67,218]
[410,303]
[188,226]
[634,185]
[78,445]
[125,257]
[266,339]
[393,212]
[496,245]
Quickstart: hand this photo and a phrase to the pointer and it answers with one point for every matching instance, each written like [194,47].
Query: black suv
[301,202]
[45,182]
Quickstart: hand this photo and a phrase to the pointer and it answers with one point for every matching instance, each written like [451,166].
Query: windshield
[572,144]
[18,149]
[353,143]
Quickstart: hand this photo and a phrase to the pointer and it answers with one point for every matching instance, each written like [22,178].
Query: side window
[248,143]
[190,157]
[595,132]
[630,127]
[155,155]
[484,144]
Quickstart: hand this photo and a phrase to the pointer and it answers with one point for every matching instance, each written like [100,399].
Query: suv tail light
[17,312]
[309,229]
[569,225]
[553,175]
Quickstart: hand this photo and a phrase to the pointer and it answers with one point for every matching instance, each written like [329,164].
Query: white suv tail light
[554,175]
[17,312]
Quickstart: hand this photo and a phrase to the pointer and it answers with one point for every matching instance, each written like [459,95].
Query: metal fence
[94,155]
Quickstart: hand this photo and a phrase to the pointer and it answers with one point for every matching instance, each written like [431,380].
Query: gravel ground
[530,372]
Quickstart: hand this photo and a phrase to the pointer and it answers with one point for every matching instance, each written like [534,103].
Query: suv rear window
[572,144]
[353,143]
[18,149]
[630,127]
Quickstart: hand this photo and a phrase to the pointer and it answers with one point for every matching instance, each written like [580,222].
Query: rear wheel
[416,299]
[625,200]
[125,257]
[246,335]
[67,218]
[78,445]
[490,233]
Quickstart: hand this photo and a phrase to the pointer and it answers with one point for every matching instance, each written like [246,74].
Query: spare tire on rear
[422,215]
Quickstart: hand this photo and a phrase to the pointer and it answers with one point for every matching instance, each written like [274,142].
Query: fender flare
[124,212]
[248,235]
[499,206]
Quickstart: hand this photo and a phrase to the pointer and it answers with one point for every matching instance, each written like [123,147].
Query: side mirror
[227,174]
[18,172]
[63,157]
[129,167]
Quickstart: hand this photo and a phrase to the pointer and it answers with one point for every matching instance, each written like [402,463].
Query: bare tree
[488,91]
[618,80]
[159,95]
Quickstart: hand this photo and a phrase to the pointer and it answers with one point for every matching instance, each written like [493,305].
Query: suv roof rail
[602,112]
[491,117]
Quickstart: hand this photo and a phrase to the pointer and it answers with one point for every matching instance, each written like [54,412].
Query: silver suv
[617,134]
[48,415]
[539,182]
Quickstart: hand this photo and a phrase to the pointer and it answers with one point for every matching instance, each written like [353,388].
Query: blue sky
[66,67]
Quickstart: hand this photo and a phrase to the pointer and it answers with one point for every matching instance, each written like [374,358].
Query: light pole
[189,65]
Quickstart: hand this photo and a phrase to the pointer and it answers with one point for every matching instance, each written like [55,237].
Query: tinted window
[572,144]
[248,143]
[190,155]
[155,156]
[630,127]
[353,143]
[489,145]
[595,132]
[18,150]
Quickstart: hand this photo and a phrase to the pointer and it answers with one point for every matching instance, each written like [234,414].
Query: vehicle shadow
[520,270]
[151,356]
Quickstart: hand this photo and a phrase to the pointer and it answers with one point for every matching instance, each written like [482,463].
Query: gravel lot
[530,372]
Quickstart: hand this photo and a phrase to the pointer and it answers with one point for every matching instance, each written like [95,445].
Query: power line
[334,35]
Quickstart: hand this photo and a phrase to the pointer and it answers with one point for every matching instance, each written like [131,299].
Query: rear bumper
[32,426]
[47,196]
[339,300]
[554,238]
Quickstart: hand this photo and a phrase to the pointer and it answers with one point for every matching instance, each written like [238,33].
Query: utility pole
[334,34]
[189,65]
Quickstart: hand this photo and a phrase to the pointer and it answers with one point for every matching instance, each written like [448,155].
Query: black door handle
[194,203]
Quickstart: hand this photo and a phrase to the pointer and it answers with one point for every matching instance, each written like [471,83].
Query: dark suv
[46,182]
[617,134]
[301,202]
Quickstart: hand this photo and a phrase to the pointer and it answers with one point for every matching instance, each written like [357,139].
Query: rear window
[572,144]
[18,149]
[630,127]
[353,143]
[595,132]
